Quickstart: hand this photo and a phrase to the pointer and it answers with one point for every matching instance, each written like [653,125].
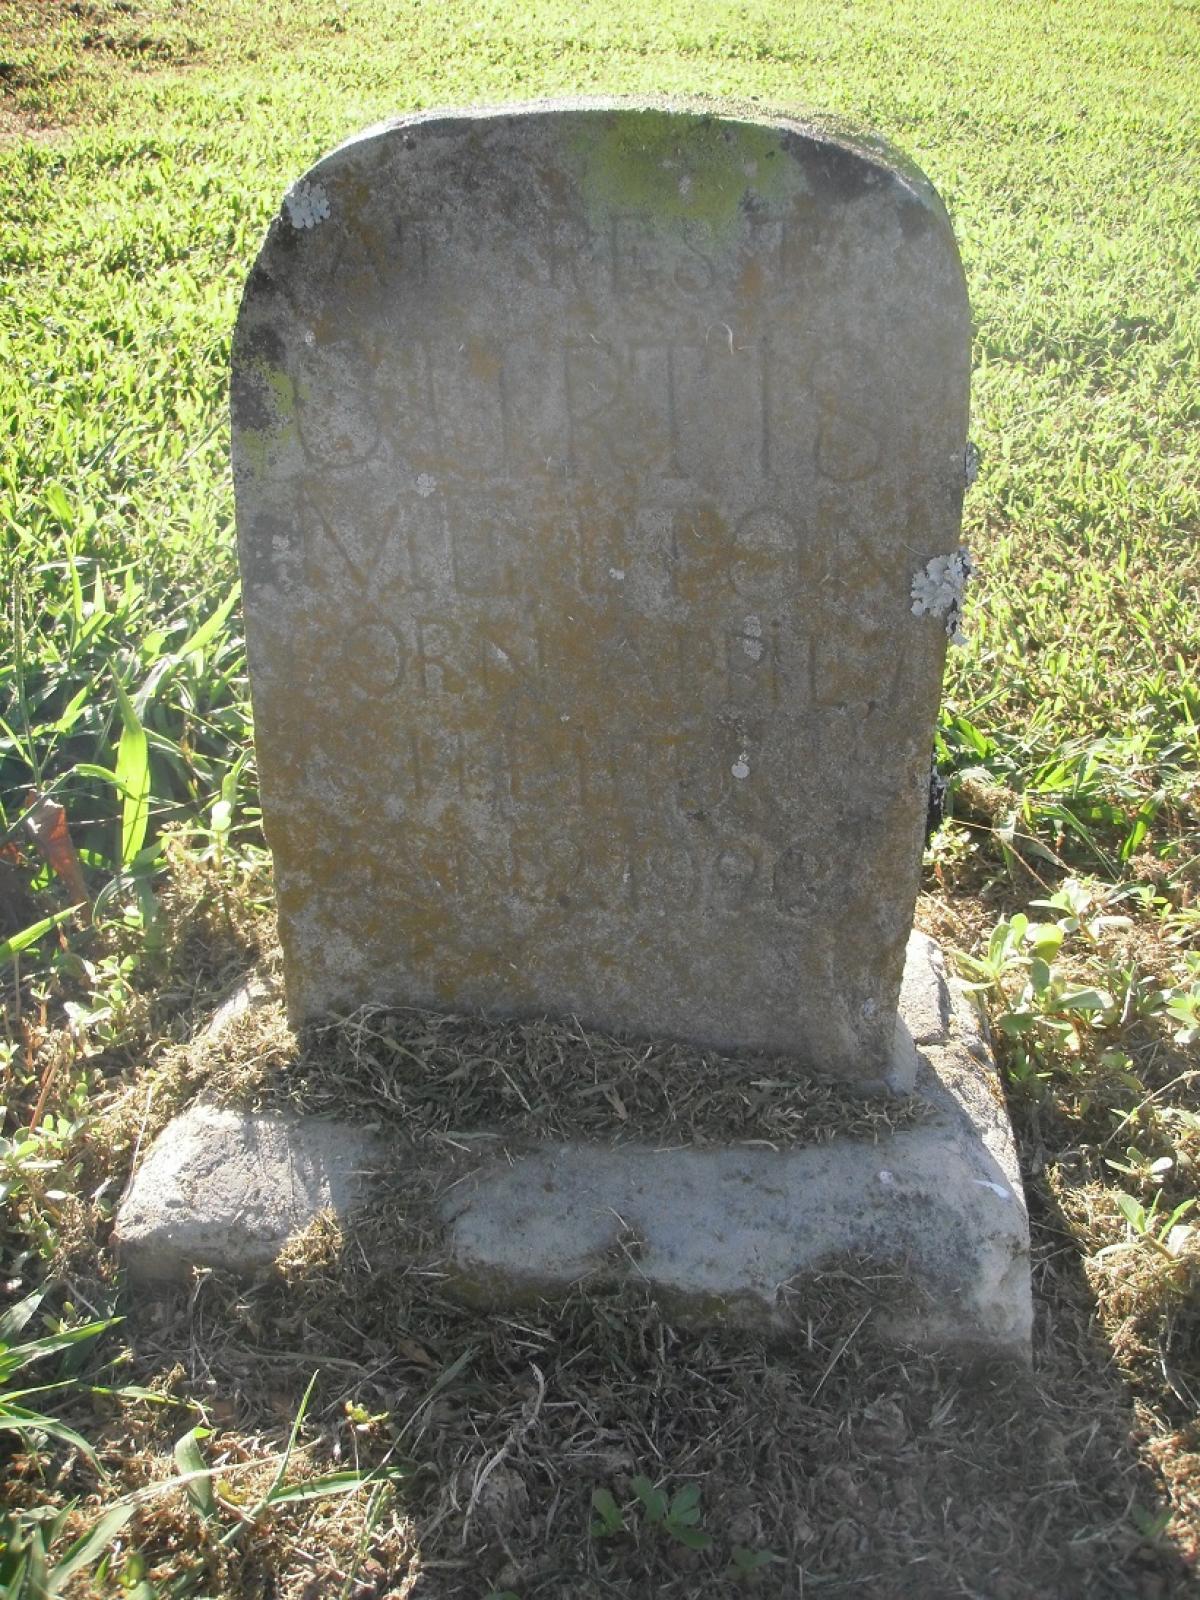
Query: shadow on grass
[833,1466]
[1112,1505]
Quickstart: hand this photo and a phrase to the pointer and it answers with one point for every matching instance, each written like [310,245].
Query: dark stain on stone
[248,398]
[915,219]
[268,345]
[247,402]
[836,174]
[257,553]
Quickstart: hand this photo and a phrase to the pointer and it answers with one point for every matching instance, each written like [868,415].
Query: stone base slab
[222,1188]
[747,1233]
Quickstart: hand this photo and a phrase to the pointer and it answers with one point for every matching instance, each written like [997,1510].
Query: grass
[431,1076]
[142,148]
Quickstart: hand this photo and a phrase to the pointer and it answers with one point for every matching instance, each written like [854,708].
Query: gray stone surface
[723,1233]
[584,458]
[924,993]
[252,994]
[935,1210]
[224,1188]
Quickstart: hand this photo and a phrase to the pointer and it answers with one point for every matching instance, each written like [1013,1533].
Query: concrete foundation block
[743,1234]
[223,1188]
[934,1212]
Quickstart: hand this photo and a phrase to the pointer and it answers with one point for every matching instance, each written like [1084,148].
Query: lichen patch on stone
[938,587]
[306,204]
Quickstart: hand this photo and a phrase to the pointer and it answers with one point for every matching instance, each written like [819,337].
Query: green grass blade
[16,1317]
[89,1547]
[10,1396]
[14,1360]
[17,1419]
[133,777]
[209,630]
[333,1483]
[194,1469]
[301,1412]
[27,936]
[73,709]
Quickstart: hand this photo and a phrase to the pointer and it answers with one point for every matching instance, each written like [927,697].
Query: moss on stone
[258,446]
[675,167]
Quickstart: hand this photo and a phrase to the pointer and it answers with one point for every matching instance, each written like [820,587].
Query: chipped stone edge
[255,991]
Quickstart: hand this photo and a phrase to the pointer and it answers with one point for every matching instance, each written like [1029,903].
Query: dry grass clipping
[863,1470]
[436,1075]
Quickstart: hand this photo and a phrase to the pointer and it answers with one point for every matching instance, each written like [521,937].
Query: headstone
[599,469]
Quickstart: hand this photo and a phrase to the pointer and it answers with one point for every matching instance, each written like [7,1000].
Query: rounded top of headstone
[629,157]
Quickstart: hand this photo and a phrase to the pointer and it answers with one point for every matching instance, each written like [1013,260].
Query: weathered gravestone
[585,457]
[599,472]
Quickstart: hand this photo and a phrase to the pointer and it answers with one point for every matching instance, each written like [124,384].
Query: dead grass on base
[866,1472]
[437,1079]
[434,1076]
[863,1470]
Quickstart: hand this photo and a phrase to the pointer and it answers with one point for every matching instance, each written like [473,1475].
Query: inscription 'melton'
[582,459]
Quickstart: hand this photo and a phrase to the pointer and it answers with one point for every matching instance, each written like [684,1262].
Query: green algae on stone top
[680,166]
[707,164]
[584,455]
